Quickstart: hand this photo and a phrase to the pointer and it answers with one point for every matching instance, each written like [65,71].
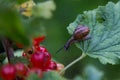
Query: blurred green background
[57,35]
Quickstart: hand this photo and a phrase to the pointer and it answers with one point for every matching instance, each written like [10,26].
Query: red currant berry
[24,54]
[38,60]
[43,49]
[37,40]
[21,69]
[48,60]
[40,48]
[8,72]
[47,56]
[59,67]
[52,66]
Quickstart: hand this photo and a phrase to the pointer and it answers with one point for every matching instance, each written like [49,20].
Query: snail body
[80,33]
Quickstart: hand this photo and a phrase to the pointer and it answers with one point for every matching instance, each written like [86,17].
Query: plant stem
[8,48]
[72,63]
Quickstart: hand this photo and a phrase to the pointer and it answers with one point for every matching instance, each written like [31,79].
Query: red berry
[38,60]
[24,54]
[21,69]
[43,49]
[37,40]
[36,71]
[59,67]
[47,56]
[40,48]
[8,72]
[51,66]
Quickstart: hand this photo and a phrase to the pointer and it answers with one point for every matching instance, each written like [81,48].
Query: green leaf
[34,27]
[6,3]
[104,24]
[92,73]
[20,1]
[2,57]
[46,76]
[12,1]
[52,76]
[37,1]
[17,54]
[33,76]
[11,25]
[78,78]
[19,59]
[22,29]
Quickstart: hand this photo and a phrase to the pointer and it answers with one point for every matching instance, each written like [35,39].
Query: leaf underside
[104,24]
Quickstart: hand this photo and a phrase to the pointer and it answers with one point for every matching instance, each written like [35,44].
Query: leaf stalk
[73,62]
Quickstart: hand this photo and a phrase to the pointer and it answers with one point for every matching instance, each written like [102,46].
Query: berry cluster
[10,71]
[39,56]
[40,62]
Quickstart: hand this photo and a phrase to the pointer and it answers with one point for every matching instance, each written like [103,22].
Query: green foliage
[20,1]
[104,24]
[44,9]
[47,76]
[19,59]
[32,26]
[33,77]
[35,27]
[52,76]
[11,25]
[2,57]
[19,29]
[78,78]
[90,73]
[37,1]
[12,1]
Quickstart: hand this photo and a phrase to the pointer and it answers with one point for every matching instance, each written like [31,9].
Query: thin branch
[72,63]
[8,48]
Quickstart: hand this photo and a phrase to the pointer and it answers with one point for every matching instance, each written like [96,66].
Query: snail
[79,34]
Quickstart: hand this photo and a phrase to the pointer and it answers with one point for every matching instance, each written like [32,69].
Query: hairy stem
[72,63]
[8,48]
